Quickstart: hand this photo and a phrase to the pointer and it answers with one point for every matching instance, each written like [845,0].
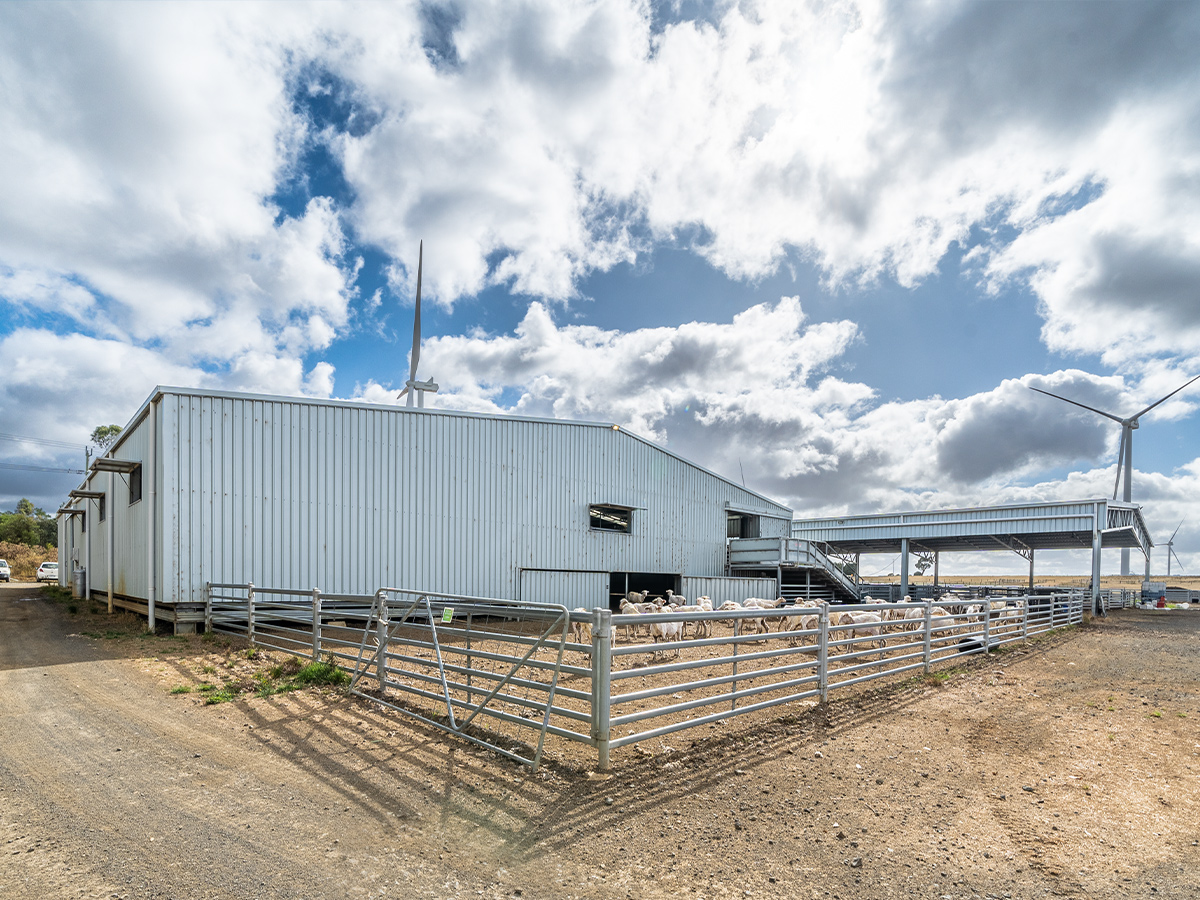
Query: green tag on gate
[447,613]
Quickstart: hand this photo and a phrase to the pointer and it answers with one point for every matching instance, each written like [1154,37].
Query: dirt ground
[1067,767]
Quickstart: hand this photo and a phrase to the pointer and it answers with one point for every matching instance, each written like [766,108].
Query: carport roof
[1062,525]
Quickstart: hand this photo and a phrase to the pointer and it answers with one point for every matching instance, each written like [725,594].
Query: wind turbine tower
[1171,550]
[1125,454]
[412,387]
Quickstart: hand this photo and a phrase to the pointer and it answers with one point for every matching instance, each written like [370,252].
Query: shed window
[610,518]
[101,509]
[135,485]
[739,525]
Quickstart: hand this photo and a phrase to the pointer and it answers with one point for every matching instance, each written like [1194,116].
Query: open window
[607,517]
[101,502]
[135,485]
[741,525]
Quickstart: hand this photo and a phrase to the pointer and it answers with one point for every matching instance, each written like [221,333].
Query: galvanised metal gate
[487,670]
[473,665]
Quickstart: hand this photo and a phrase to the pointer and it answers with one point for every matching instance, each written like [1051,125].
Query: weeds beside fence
[507,675]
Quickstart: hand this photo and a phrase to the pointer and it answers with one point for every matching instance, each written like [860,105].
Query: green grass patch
[290,675]
[182,689]
[321,673]
[1157,714]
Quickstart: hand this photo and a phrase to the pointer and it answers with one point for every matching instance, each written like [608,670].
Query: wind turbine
[412,387]
[1125,454]
[1171,548]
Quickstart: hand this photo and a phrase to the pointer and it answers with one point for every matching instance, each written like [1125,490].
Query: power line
[41,469]
[46,441]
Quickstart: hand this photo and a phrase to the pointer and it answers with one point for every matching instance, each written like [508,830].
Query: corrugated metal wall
[292,493]
[720,590]
[572,589]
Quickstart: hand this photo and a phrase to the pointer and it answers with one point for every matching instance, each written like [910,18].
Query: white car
[5,571]
[47,571]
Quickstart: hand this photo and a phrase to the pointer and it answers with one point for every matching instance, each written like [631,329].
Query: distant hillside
[24,559]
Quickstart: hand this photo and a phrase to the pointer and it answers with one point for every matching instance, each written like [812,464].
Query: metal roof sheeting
[1039,526]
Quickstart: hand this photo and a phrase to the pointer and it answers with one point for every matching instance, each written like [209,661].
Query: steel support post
[987,625]
[928,635]
[250,612]
[903,567]
[823,651]
[936,560]
[1031,570]
[316,624]
[208,607]
[111,510]
[601,684]
[1097,536]
[149,489]
[87,549]
[381,629]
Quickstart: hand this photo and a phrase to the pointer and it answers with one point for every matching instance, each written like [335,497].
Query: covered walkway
[1021,528]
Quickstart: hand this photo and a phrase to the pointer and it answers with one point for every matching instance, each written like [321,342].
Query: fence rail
[506,674]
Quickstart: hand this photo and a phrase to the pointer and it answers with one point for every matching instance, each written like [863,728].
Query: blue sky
[830,248]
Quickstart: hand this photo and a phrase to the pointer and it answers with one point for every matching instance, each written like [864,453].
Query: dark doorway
[621,583]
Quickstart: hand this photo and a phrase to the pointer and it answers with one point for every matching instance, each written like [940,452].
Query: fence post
[823,651]
[316,624]
[928,635]
[250,612]
[1025,617]
[601,684]
[207,607]
[470,660]
[987,625]
[381,628]
[736,632]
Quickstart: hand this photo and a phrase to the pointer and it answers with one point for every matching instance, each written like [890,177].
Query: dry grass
[23,559]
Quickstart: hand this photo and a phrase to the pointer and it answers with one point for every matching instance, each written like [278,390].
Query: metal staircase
[803,569]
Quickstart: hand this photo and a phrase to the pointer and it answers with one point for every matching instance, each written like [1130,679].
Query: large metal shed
[206,486]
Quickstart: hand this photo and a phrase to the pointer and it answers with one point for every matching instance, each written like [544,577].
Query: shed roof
[775,509]
[1059,525]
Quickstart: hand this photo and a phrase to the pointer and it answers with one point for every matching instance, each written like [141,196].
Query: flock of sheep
[952,615]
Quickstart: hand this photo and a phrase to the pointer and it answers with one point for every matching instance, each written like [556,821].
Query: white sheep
[581,632]
[666,632]
[630,609]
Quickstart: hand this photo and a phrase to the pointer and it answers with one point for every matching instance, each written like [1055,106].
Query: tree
[28,525]
[104,435]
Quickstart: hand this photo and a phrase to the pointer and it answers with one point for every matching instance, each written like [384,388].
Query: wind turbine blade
[1120,459]
[416,347]
[1178,560]
[1176,531]
[1168,397]
[1081,405]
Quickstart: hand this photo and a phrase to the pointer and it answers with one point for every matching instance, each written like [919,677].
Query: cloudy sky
[823,247]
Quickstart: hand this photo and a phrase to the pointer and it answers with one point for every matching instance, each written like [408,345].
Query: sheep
[866,624]
[666,632]
[581,632]
[630,609]
[637,596]
[698,624]
[673,599]
[806,622]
